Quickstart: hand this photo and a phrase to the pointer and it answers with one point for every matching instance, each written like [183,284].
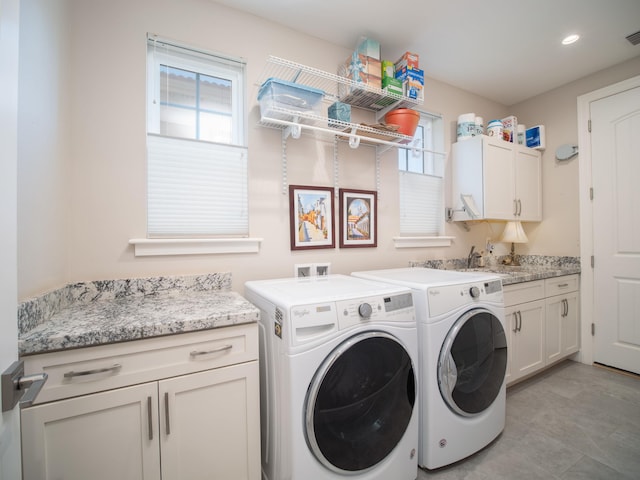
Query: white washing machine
[338,391]
[463,359]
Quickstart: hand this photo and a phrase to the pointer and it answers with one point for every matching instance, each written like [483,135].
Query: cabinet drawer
[93,369]
[560,285]
[523,292]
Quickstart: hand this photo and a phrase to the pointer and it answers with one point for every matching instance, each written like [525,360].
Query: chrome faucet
[473,257]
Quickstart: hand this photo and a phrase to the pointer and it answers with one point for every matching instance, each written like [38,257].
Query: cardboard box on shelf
[374,67]
[414,74]
[369,48]
[374,81]
[362,69]
[355,68]
[388,69]
[339,111]
[413,89]
[408,59]
[392,85]
[509,128]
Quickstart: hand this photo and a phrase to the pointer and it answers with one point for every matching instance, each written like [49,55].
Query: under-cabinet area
[176,407]
[543,324]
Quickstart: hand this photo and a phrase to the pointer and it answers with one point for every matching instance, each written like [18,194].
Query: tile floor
[571,422]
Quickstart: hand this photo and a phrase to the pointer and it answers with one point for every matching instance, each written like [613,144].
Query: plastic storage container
[466,126]
[284,100]
[494,128]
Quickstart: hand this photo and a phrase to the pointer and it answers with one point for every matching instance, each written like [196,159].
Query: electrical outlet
[322,269]
[311,269]
[303,270]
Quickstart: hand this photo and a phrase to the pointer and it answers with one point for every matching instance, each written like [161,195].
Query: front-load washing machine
[338,389]
[463,359]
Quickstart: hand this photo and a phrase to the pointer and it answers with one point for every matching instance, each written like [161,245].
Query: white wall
[84,236]
[103,177]
[43,145]
[559,233]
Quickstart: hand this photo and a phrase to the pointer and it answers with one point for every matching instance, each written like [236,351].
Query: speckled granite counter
[527,273]
[95,313]
[532,268]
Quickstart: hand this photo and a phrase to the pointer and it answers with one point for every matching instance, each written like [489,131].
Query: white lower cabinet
[102,436]
[543,322]
[193,426]
[526,352]
[562,317]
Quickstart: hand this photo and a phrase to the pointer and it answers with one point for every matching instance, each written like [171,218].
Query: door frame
[587,293]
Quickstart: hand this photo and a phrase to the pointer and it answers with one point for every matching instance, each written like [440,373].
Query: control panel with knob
[474,292]
[365,310]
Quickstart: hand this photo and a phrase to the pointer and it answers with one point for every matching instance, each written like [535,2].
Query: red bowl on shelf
[405,118]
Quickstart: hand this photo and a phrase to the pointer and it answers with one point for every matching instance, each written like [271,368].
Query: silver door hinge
[589,125]
[593,261]
[593,329]
[591,193]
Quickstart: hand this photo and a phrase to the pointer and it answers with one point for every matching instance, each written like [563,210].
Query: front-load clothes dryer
[338,358]
[463,359]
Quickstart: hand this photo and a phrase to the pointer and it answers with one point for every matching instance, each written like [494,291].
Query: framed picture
[311,214]
[358,218]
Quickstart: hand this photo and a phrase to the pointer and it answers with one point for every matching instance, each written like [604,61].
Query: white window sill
[420,242]
[193,246]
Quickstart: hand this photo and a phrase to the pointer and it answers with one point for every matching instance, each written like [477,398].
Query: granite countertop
[527,273]
[532,267]
[112,318]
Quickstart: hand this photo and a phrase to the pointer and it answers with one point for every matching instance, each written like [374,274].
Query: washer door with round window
[360,402]
[473,362]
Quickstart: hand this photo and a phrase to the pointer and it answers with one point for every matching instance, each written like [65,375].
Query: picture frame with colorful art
[358,218]
[311,217]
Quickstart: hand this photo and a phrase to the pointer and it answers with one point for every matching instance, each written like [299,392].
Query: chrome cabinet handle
[519,207]
[114,368]
[515,207]
[563,285]
[515,320]
[167,421]
[518,318]
[197,353]
[150,418]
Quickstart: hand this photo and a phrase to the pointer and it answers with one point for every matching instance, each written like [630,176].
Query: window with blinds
[196,143]
[422,181]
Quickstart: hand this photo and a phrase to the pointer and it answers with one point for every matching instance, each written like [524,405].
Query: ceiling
[507,51]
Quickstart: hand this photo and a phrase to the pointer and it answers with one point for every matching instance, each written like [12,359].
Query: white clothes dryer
[463,359]
[338,384]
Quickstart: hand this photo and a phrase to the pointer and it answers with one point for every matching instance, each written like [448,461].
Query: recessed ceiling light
[570,39]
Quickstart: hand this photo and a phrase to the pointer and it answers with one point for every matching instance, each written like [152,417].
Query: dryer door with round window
[360,402]
[473,362]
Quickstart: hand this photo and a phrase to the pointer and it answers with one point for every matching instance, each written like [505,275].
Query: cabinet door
[104,436]
[562,326]
[210,424]
[528,184]
[527,327]
[499,174]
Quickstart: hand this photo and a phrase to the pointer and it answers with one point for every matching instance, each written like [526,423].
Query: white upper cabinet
[503,179]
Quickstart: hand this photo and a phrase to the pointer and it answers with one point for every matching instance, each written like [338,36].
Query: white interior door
[9,421]
[615,157]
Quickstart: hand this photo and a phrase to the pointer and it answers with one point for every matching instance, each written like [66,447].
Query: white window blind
[420,204]
[196,143]
[421,181]
[196,188]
